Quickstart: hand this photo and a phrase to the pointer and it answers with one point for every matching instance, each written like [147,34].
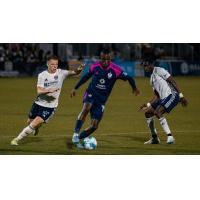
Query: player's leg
[81,119]
[35,123]
[37,116]
[96,113]
[163,122]
[151,125]
[36,130]
[166,105]
[150,122]
[88,131]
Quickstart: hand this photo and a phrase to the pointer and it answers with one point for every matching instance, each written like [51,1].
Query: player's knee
[83,114]
[148,114]
[157,113]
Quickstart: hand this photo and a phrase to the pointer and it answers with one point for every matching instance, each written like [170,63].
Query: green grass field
[122,130]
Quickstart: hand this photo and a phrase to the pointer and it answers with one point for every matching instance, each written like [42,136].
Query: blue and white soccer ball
[90,143]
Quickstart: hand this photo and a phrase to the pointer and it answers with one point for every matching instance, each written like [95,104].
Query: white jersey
[159,83]
[53,81]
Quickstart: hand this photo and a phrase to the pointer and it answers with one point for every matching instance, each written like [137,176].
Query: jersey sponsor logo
[109,75]
[102,81]
[50,83]
[125,74]
[56,77]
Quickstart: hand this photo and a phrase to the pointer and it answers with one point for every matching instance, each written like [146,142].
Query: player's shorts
[168,103]
[97,109]
[40,111]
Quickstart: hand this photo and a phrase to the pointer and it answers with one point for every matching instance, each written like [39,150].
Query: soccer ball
[90,143]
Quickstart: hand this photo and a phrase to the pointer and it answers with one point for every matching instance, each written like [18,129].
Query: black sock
[86,133]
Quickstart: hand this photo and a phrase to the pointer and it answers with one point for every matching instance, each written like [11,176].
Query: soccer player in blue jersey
[104,75]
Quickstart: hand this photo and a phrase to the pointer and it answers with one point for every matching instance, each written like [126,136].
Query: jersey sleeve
[40,81]
[91,69]
[123,75]
[65,73]
[163,73]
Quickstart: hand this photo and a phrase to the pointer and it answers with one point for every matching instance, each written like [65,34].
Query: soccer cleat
[75,138]
[14,142]
[170,140]
[153,141]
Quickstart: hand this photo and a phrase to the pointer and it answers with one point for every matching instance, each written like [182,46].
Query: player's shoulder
[94,65]
[43,73]
[159,70]
[113,65]
[61,71]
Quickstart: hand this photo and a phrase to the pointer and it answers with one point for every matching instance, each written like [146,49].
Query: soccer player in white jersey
[48,90]
[167,96]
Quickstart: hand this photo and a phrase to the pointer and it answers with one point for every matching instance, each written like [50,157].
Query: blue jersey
[103,80]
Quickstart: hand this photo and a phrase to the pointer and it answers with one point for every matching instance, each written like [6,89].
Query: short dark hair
[52,57]
[105,51]
[148,61]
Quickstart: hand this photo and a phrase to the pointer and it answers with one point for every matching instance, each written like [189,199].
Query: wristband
[181,95]
[148,105]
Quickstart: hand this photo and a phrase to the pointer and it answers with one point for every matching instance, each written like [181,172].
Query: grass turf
[122,130]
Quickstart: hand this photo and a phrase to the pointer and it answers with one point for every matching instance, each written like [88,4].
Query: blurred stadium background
[123,129]
[29,59]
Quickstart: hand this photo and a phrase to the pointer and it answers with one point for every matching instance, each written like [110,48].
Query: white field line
[104,134]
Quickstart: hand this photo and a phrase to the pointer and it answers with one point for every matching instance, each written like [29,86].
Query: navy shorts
[97,109]
[168,103]
[40,111]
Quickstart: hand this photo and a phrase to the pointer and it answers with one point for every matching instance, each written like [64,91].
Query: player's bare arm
[147,106]
[81,82]
[183,100]
[77,71]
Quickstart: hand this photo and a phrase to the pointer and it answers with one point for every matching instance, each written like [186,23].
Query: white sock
[150,122]
[163,123]
[26,131]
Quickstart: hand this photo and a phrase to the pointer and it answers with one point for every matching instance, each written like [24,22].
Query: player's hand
[183,101]
[53,90]
[73,93]
[143,107]
[80,68]
[136,91]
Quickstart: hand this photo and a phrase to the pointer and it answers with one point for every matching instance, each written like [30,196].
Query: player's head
[52,63]
[148,64]
[105,58]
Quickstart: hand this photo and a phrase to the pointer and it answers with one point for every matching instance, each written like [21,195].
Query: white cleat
[153,141]
[170,140]
[75,138]
[14,142]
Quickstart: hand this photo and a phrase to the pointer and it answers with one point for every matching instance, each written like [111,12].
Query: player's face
[105,60]
[52,65]
[148,67]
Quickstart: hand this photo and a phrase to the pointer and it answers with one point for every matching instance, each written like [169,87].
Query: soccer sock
[78,125]
[163,123]
[86,133]
[26,131]
[150,122]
